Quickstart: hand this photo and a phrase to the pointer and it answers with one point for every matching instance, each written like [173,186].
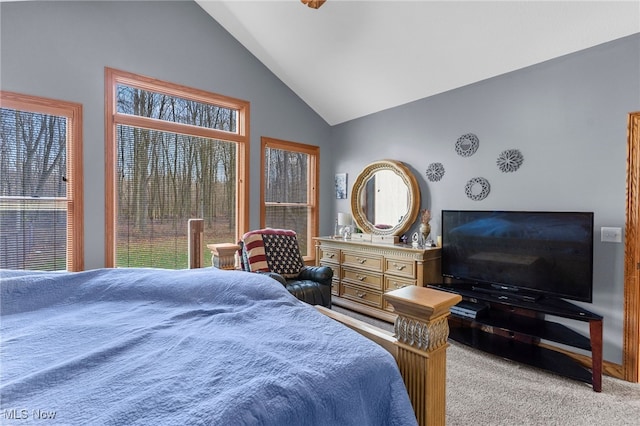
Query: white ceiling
[352,58]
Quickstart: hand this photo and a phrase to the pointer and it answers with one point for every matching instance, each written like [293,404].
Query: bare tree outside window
[290,190]
[168,171]
[40,220]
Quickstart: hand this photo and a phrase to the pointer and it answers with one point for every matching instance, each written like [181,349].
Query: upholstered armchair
[276,252]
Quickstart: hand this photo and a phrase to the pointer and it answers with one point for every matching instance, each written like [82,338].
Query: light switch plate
[610,235]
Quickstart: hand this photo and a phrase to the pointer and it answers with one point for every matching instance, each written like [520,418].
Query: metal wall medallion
[435,172]
[467,145]
[509,160]
[477,188]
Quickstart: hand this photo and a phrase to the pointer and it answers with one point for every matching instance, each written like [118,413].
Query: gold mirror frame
[359,216]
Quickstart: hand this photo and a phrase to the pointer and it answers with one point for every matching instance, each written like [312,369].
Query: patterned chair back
[271,250]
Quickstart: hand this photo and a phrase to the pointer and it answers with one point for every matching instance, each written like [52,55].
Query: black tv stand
[514,327]
[506,294]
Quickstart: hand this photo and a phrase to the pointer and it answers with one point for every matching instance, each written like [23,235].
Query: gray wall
[60,49]
[567,116]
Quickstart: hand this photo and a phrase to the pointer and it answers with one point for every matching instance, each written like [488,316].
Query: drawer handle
[361,277]
[399,267]
[360,295]
[396,285]
[331,255]
[361,260]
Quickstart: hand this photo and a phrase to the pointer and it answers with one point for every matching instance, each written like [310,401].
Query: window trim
[113,118]
[72,111]
[313,182]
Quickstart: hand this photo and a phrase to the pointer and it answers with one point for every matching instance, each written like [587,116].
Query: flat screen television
[524,254]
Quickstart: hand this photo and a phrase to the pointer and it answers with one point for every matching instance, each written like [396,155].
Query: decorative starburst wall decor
[435,172]
[509,160]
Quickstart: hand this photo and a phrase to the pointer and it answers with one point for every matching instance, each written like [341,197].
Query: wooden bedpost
[421,330]
[196,229]
[418,345]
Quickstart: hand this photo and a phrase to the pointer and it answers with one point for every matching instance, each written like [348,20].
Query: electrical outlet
[610,235]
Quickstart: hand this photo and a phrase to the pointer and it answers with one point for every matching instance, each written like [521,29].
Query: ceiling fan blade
[314,4]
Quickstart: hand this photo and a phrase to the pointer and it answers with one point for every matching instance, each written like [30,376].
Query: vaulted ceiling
[349,59]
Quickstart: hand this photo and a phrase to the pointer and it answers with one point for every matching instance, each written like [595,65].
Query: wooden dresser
[363,271]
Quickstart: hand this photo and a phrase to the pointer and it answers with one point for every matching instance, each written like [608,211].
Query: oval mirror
[385,198]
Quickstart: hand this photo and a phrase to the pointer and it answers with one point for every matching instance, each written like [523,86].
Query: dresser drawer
[335,287]
[329,254]
[334,267]
[362,277]
[362,295]
[335,281]
[394,283]
[371,262]
[400,267]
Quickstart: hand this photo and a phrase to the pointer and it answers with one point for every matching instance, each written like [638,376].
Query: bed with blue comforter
[186,347]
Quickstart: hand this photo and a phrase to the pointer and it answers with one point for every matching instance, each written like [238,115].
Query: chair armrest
[320,274]
[275,276]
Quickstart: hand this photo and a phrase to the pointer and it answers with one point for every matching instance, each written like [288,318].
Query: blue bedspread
[188,347]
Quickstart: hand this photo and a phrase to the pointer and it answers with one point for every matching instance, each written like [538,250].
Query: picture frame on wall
[341,185]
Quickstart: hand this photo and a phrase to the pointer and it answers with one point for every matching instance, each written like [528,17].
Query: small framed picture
[341,185]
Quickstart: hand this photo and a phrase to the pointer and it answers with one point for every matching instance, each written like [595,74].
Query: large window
[289,195]
[41,203]
[173,153]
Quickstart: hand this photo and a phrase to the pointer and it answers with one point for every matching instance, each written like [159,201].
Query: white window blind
[33,191]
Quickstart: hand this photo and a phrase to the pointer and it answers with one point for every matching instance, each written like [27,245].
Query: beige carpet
[483,389]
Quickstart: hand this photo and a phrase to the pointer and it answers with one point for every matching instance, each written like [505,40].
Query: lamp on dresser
[344,225]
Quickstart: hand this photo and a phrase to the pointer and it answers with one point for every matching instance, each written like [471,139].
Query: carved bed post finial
[427,336]
[421,330]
